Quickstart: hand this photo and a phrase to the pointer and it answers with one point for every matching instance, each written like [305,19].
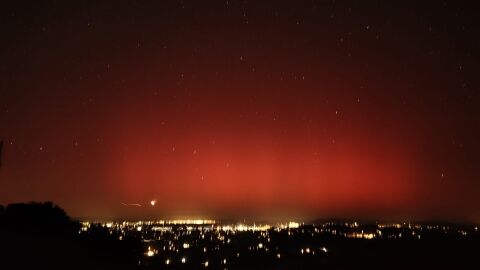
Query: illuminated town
[236,134]
[218,245]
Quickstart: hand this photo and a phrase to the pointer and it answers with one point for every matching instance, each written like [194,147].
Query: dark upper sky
[239,108]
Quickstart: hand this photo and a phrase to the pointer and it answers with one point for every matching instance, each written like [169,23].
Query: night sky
[357,109]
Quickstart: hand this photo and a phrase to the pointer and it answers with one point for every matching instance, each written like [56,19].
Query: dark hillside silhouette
[42,236]
[37,218]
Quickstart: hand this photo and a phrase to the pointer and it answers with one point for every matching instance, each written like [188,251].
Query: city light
[240,135]
[173,236]
[293,225]
[151,252]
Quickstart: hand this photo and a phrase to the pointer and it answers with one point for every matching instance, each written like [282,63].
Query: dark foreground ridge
[42,236]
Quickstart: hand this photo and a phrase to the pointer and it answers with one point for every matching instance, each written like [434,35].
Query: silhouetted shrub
[37,217]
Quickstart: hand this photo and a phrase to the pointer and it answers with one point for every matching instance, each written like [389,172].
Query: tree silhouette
[37,217]
[42,236]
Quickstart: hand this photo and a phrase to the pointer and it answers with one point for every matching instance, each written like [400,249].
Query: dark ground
[42,236]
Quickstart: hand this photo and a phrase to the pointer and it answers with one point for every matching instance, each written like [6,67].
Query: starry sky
[357,109]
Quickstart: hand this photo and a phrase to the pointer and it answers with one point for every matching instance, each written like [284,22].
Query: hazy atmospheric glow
[241,109]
